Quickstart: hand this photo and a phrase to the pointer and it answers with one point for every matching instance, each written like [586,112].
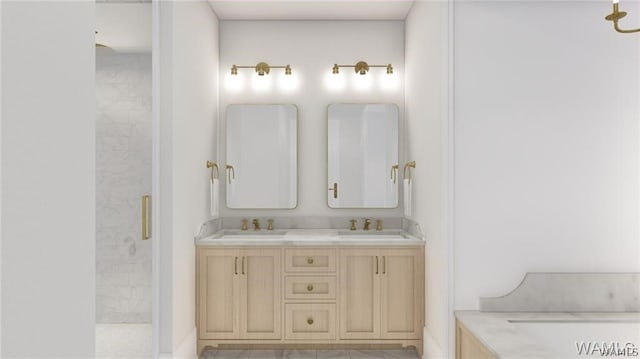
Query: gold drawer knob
[310,260]
[310,321]
[310,287]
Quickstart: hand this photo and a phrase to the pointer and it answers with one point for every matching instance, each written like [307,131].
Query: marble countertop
[499,332]
[310,237]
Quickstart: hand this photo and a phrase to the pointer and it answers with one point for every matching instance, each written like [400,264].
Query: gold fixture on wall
[615,16]
[262,68]
[231,173]
[214,170]
[394,173]
[361,68]
[409,165]
[334,189]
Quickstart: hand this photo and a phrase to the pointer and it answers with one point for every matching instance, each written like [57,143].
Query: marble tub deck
[310,354]
[505,340]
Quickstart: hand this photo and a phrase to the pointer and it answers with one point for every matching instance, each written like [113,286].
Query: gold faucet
[367,222]
[256,224]
[244,224]
[353,224]
[378,224]
[269,224]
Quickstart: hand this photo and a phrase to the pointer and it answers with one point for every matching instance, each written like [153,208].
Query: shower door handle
[146,214]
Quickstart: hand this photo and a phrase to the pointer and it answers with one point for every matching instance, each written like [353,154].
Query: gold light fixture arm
[615,16]
[262,68]
[361,68]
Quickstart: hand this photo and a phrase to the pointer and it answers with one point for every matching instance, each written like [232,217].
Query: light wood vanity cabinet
[300,295]
[239,293]
[381,294]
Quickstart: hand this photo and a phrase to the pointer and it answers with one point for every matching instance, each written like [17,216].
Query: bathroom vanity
[310,287]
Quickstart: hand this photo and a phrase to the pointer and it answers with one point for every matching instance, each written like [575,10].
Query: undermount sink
[304,235]
[359,234]
[251,234]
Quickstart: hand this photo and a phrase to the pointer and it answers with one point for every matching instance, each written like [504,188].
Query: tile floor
[310,354]
[123,341]
[133,341]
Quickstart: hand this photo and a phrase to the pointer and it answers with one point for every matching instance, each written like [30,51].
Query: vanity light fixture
[262,68]
[361,68]
[616,15]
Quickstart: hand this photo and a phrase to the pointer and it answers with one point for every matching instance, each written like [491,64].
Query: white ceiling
[311,9]
[124,27]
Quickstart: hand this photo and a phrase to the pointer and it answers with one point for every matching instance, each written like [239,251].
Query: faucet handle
[269,224]
[378,224]
[256,224]
[353,224]
[367,223]
[245,223]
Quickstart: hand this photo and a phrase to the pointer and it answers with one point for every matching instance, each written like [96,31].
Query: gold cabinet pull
[394,173]
[310,321]
[231,173]
[384,264]
[146,222]
[310,260]
[235,265]
[334,189]
[310,287]
[243,265]
[376,264]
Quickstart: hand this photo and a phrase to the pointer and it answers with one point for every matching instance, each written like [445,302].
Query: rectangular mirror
[262,156]
[362,156]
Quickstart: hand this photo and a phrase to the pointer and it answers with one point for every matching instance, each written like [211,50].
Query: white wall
[188,118]
[311,47]
[425,111]
[48,179]
[546,143]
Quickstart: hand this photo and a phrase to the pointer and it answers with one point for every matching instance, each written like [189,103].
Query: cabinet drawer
[310,260]
[307,287]
[310,321]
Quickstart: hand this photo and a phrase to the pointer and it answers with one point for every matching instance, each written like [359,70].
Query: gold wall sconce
[409,166]
[615,16]
[361,68]
[231,173]
[394,173]
[262,68]
[215,174]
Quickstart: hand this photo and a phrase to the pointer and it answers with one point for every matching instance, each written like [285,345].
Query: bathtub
[564,335]
[583,338]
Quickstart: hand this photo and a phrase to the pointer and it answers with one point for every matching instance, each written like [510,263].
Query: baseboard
[186,349]
[431,348]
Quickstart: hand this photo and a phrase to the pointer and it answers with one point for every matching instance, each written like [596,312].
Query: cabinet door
[218,294]
[261,304]
[401,293]
[359,294]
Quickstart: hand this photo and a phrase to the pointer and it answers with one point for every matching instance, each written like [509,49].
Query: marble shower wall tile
[123,175]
